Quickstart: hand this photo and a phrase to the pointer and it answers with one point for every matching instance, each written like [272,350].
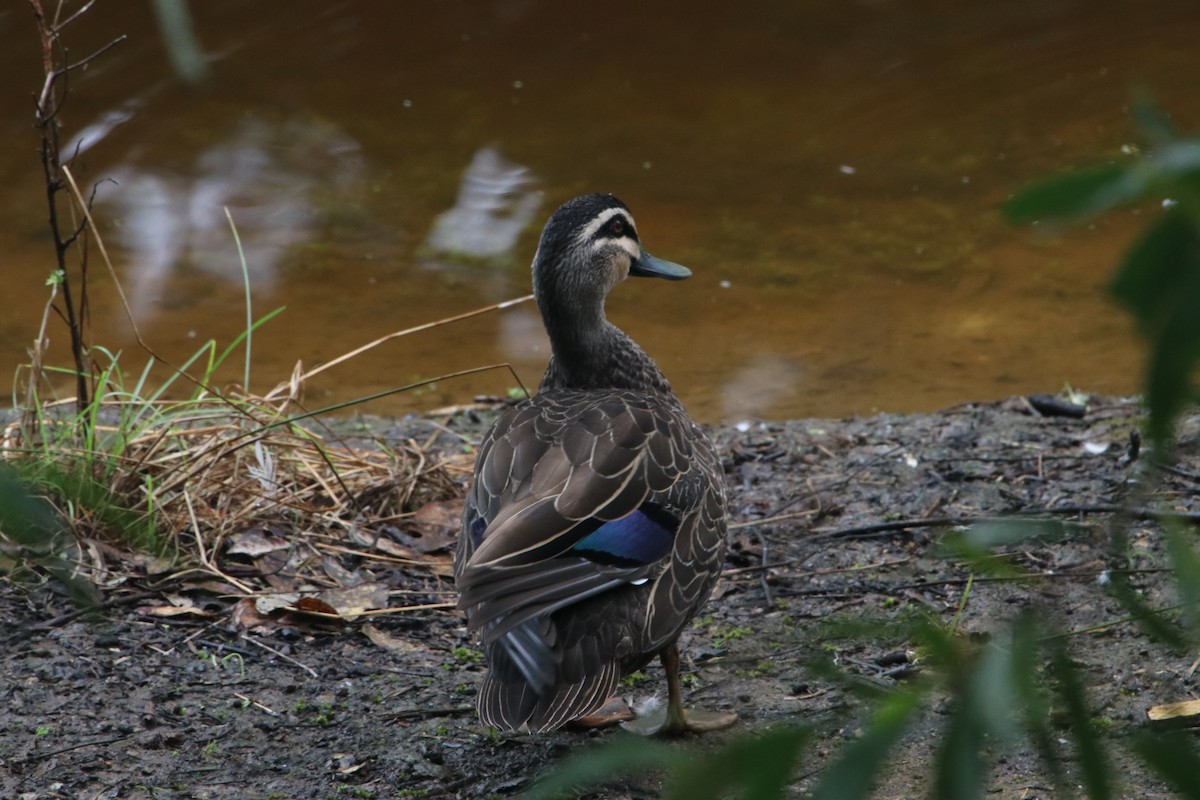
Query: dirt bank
[831,518]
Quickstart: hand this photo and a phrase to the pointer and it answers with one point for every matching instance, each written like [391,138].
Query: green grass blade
[237,341]
[237,240]
[140,387]
[208,347]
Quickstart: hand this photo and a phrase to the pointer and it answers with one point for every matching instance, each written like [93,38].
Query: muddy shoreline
[831,518]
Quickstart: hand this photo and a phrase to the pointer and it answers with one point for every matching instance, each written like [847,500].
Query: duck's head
[589,245]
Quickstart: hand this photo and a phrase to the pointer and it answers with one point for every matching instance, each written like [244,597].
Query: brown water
[831,171]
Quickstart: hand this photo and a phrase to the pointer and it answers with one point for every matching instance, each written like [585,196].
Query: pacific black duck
[595,527]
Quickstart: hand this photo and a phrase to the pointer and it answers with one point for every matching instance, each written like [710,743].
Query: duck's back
[592,535]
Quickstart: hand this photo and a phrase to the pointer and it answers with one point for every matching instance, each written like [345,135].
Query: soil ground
[832,519]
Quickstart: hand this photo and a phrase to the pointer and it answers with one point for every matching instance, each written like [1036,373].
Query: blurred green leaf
[1152,123]
[1159,282]
[1173,168]
[1173,359]
[1155,269]
[985,705]
[1093,762]
[1174,758]
[1015,530]
[858,764]
[976,544]
[623,754]
[1073,195]
[31,523]
[1159,279]
[762,765]
[74,483]
[26,520]
[993,690]
[960,768]
[871,627]
[1186,563]
[1152,622]
[1029,682]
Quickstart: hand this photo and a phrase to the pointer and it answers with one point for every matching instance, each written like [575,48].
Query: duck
[594,528]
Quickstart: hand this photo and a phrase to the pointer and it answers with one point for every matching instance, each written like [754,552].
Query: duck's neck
[592,353]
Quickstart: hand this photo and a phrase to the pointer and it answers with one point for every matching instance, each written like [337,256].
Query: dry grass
[169,489]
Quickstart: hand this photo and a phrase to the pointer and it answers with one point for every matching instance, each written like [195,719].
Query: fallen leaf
[387,641]
[256,542]
[315,605]
[174,611]
[245,615]
[268,603]
[434,526]
[351,601]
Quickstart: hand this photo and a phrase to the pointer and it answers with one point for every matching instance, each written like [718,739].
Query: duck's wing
[560,482]
[563,505]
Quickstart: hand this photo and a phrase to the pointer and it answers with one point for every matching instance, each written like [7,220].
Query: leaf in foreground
[624,754]
[761,764]
[1074,195]
[1174,758]
[1093,762]
[859,763]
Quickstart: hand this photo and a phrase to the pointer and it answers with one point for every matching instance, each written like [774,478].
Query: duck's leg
[676,720]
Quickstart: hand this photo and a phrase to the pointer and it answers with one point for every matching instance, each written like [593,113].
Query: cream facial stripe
[598,222]
[626,243]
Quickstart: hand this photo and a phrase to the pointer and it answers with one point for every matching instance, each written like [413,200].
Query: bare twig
[284,656]
[55,68]
[39,755]
[61,26]
[1141,514]
[85,61]
[406,332]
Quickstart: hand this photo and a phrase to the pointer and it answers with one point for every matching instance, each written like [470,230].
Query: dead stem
[406,332]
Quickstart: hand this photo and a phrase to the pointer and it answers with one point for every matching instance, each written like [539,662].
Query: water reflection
[96,132]
[275,178]
[755,388]
[811,155]
[496,200]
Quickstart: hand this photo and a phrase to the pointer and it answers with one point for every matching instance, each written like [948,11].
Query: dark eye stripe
[619,227]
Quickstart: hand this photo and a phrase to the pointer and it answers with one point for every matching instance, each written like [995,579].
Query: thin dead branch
[397,334]
[72,285]
[891,526]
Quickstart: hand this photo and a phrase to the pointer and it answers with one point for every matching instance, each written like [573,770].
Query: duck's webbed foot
[674,719]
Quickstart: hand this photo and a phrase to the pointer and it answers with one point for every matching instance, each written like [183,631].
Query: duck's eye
[617,227]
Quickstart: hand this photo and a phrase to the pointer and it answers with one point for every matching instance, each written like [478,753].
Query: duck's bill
[650,267]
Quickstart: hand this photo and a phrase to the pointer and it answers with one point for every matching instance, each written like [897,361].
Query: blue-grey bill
[650,267]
